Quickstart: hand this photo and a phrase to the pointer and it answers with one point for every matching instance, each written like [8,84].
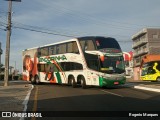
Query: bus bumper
[111,82]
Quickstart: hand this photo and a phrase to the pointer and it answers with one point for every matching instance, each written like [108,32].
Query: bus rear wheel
[83,82]
[37,80]
[33,80]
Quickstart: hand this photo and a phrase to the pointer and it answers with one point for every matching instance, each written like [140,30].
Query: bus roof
[74,39]
[91,37]
[70,40]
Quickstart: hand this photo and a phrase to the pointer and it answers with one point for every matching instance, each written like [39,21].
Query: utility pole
[7,55]
[8,44]
[1,51]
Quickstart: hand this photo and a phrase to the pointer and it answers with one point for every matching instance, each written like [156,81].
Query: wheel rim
[32,79]
[37,80]
[82,82]
[72,81]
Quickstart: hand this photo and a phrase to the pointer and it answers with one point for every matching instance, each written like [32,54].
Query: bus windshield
[103,43]
[113,64]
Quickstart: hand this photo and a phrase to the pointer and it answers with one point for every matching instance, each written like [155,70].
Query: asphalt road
[68,100]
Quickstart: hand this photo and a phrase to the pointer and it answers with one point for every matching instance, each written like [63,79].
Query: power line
[54,33]
[45,30]
[126,25]
[29,29]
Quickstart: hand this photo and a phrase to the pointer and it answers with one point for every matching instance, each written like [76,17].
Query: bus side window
[67,66]
[57,49]
[41,67]
[62,48]
[75,48]
[52,50]
[44,51]
[93,64]
[72,47]
[39,52]
[89,45]
[69,47]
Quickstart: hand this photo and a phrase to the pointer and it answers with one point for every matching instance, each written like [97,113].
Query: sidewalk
[12,97]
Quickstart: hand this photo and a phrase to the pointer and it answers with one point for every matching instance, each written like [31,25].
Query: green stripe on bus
[100,81]
[58,78]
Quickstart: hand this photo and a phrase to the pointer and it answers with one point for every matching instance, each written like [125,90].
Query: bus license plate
[116,83]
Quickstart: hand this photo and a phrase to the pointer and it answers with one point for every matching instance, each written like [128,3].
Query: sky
[39,22]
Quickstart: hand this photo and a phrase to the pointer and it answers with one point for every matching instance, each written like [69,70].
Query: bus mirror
[102,58]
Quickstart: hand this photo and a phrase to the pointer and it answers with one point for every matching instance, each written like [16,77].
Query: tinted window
[52,50]
[43,51]
[87,45]
[67,66]
[72,47]
[93,64]
[102,43]
[41,67]
[47,68]
[92,61]
[62,48]
[57,49]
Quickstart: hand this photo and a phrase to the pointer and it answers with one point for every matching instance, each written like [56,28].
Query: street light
[8,41]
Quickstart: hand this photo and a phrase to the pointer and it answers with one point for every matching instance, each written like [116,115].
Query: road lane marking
[147,88]
[35,102]
[112,93]
[25,102]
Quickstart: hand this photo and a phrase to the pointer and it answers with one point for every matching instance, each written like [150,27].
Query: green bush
[15,77]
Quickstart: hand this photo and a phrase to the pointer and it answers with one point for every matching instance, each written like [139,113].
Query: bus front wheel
[71,81]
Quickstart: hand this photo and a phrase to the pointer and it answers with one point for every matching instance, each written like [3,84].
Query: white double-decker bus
[81,61]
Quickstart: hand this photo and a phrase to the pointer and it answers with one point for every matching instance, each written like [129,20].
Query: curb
[25,102]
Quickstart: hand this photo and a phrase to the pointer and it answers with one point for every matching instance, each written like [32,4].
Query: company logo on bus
[49,59]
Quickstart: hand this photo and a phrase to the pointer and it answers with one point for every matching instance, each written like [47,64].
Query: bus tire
[37,81]
[33,80]
[71,81]
[158,79]
[83,82]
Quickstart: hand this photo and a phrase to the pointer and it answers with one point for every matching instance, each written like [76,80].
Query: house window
[155,36]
